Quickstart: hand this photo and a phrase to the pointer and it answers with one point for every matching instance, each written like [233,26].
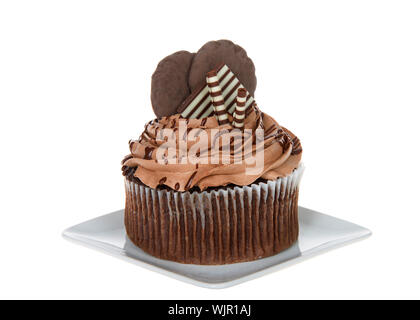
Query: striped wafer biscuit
[216,97]
[239,114]
[198,105]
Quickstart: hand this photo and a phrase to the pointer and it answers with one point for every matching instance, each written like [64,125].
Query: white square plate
[318,233]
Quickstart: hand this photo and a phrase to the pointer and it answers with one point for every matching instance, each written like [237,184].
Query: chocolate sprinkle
[148,153]
[297,148]
[188,185]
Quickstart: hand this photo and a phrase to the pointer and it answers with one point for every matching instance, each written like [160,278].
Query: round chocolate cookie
[170,83]
[215,53]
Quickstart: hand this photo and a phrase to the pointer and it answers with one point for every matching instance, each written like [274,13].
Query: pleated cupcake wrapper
[214,227]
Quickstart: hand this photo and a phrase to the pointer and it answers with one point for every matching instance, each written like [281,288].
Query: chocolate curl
[239,114]
[217,97]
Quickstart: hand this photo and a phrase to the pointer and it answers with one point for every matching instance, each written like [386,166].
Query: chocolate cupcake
[216,182]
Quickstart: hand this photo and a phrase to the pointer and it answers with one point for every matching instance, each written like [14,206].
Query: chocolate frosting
[282,153]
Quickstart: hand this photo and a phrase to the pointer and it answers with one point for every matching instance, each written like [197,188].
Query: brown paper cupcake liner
[221,226]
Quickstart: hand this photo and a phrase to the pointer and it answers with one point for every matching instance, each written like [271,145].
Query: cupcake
[213,179]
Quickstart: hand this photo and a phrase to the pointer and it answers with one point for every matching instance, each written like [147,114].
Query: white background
[75,87]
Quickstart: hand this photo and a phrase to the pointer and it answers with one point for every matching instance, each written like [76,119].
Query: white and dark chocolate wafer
[216,97]
[198,105]
[240,109]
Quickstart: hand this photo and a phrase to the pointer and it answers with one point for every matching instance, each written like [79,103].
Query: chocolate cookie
[215,53]
[170,83]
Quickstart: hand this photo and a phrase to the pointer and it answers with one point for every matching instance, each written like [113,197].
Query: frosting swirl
[184,153]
